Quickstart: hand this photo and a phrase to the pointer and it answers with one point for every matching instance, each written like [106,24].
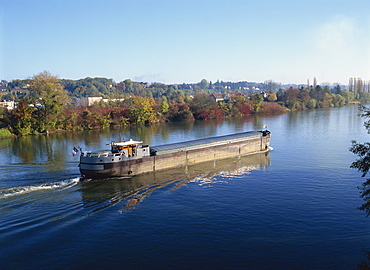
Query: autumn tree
[52,98]
[180,113]
[21,119]
[142,112]
[204,107]
[272,97]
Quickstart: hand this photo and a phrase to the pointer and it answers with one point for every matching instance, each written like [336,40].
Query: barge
[128,158]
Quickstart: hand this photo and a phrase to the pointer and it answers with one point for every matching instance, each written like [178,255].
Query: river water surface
[295,208]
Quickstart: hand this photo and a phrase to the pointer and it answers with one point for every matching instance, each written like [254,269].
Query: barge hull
[163,161]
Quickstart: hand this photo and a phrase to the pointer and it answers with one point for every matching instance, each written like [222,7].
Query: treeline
[108,88]
[48,107]
[319,97]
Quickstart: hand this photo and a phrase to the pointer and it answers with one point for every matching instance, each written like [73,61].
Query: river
[295,208]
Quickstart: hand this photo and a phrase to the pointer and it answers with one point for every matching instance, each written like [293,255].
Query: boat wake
[16,191]
[223,176]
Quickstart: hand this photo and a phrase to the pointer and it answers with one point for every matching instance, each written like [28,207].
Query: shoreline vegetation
[48,104]
[5,133]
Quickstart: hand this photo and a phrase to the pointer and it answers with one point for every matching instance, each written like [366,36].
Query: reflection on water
[41,147]
[366,197]
[365,264]
[131,191]
[4,143]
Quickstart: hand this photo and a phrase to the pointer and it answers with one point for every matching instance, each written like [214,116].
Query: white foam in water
[201,180]
[15,191]
[206,181]
[238,172]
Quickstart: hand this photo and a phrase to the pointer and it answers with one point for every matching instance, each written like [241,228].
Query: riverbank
[5,133]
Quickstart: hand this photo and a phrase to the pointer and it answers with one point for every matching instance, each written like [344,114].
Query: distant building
[89,101]
[217,97]
[113,99]
[9,104]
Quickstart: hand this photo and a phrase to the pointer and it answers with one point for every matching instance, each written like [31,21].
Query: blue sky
[173,41]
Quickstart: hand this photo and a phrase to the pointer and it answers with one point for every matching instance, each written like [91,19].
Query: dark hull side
[126,168]
[131,167]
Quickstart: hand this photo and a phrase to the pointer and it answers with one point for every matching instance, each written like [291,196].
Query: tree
[257,100]
[142,112]
[180,113]
[203,84]
[52,98]
[338,100]
[21,119]
[362,164]
[164,106]
[312,104]
[202,106]
[270,86]
[348,96]
[272,97]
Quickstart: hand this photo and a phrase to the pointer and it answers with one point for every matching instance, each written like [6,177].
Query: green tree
[52,98]
[312,104]
[364,97]
[164,106]
[203,84]
[338,100]
[349,96]
[129,85]
[257,101]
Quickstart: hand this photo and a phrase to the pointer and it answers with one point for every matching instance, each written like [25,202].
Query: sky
[185,41]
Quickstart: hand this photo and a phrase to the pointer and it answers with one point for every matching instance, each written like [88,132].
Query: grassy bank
[4,133]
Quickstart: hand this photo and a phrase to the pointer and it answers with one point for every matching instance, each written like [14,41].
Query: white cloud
[338,35]
[149,77]
[341,50]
